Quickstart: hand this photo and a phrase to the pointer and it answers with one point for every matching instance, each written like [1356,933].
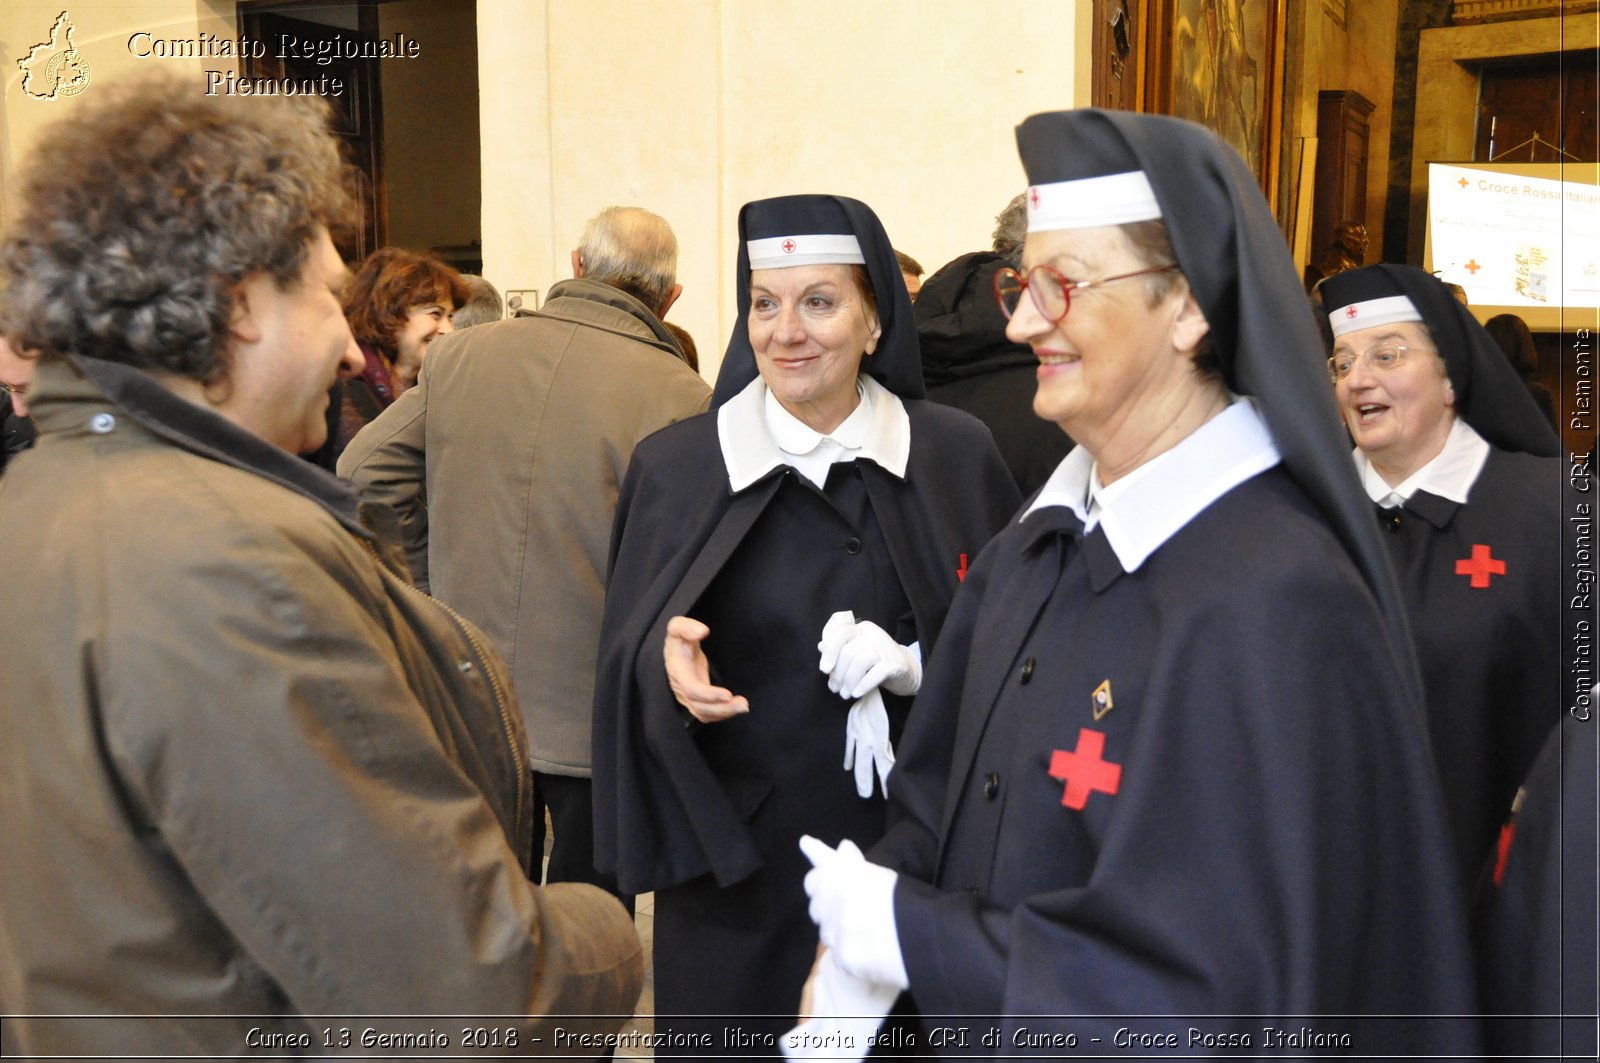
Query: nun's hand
[689,674]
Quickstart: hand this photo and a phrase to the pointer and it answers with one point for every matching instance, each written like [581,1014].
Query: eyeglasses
[1382,358]
[1052,292]
[13,389]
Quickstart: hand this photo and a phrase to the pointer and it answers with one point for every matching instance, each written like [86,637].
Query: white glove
[852,903]
[866,743]
[845,1012]
[861,656]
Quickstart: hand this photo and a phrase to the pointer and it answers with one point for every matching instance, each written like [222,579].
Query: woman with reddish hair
[397,303]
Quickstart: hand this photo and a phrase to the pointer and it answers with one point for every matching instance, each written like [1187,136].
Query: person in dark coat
[1513,336]
[1465,475]
[794,551]
[1537,928]
[1168,776]
[17,432]
[968,363]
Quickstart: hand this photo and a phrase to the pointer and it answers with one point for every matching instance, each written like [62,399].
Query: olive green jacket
[504,464]
[248,771]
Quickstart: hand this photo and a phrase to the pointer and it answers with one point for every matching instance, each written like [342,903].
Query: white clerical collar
[797,439]
[757,435]
[1450,474]
[1150,505]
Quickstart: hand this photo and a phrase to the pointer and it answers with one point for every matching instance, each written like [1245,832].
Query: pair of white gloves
[861,659]
[862,973]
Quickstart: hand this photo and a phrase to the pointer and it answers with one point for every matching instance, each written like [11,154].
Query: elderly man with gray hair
[504,464]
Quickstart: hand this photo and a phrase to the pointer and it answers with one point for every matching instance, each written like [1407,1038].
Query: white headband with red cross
[1390,310]
[1114,199]
[810,249]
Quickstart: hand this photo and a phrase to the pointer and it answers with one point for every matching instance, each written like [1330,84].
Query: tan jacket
[504,463]
[248,772]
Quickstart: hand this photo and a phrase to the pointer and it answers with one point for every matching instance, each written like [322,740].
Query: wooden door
[357,117]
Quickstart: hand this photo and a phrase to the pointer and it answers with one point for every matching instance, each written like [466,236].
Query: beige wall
[101,33]
[690,108]
[694,107]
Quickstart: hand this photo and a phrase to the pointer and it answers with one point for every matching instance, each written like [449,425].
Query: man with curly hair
[250,774]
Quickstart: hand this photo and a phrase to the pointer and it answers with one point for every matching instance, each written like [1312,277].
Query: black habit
[709,816]
[1196,794]
[1481,580]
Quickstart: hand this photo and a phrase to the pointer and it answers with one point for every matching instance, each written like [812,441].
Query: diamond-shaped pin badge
[1102,699]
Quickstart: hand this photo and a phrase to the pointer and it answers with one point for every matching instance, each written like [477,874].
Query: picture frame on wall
[1220,63]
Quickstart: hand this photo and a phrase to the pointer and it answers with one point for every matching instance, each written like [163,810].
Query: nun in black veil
[794,551]
[1168,774]
[1465,475]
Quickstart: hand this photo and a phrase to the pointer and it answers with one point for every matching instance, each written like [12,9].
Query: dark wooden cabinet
[1343,130]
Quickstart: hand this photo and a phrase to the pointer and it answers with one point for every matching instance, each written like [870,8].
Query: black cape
[1538,929]
[662,816]
[1259,838]
[1488,636]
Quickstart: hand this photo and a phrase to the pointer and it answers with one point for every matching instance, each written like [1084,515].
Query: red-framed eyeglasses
[1051,291]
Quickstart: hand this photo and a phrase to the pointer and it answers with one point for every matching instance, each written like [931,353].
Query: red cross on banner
[1085,770]
[1473,267]
[1480,566]
[1033,197]
[788,247]
[1462,182]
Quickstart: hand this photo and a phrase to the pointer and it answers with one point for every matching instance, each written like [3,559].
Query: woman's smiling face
[810,326]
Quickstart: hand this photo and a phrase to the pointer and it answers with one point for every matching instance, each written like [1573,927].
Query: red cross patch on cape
[1480,566]
[1085,770]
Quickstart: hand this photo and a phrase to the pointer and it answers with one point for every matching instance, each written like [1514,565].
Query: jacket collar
[90,395]
[1144,509]
[1450,474]
[586,302]
[755,442]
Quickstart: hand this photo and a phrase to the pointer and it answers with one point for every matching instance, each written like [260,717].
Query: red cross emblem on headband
[788,247]
[1033,197]
[1350,311]
[1480,566]
[1084,770]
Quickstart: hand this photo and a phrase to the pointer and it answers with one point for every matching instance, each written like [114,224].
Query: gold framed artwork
[1220,63]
